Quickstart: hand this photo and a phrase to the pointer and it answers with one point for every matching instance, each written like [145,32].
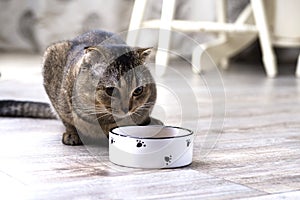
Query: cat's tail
[11,108]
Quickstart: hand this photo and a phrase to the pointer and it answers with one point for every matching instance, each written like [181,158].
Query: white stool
[232,37]
[219,50]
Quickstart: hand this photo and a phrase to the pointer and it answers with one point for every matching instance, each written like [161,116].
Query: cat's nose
[125,109]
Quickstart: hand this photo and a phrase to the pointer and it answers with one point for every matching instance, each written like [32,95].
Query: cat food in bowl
[151,146]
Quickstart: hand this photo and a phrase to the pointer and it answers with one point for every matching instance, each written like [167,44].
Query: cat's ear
[143,53]
[89,49]
[55,56]
[96,49]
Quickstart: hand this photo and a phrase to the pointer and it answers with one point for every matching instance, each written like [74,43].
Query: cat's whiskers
[144,108]
[90,111]
[104,116]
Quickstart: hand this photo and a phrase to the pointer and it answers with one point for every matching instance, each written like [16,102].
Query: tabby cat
[95,82]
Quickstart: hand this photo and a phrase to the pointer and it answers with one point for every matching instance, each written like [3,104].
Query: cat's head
[114,84]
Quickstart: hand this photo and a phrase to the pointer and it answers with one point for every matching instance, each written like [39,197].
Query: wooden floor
[256,156]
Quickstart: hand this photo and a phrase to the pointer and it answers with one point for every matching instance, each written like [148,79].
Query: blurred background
[30,25]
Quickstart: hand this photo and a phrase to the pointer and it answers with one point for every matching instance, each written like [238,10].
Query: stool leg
[210,53]
[221,8]
[136,21]
[196,59]
[161,59]
[264,37]
[298,67]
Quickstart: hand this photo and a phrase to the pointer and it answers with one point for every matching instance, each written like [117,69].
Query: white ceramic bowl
[151,146]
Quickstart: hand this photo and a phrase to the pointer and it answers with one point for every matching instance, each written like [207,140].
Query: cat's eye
[112,91]
[138,91]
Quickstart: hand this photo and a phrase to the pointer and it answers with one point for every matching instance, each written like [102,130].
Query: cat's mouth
[127,118]
[121,116]
[112,117]
[133,116]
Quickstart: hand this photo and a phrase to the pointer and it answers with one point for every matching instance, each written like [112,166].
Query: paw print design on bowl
[139,144]
[112,140]
[188,142]
[168,159]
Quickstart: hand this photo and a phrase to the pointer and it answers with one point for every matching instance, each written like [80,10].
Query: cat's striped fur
[94,82]
[13,108]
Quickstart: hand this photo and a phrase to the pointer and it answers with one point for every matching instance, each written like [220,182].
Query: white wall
[32,25]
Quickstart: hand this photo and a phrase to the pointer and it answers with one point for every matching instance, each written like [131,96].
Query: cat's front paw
[71,139]
[154,121]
